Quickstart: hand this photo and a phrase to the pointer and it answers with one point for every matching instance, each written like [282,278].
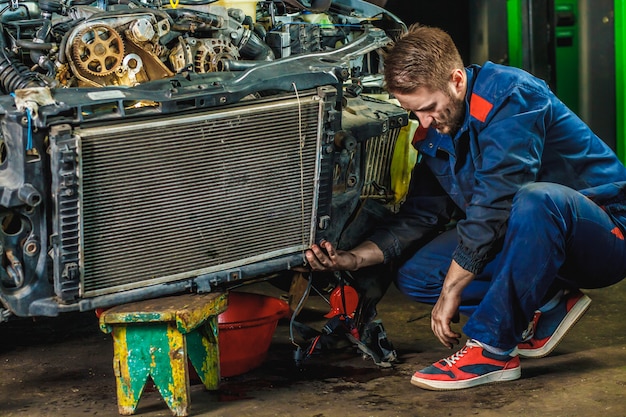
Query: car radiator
[159,201]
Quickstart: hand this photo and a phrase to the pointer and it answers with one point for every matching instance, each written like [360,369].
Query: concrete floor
[62,367]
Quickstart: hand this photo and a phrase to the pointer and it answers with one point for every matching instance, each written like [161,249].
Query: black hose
[255,48]
[234,65]
[42,36]
[80,2]
[13,74]
[62,47]
[26,44]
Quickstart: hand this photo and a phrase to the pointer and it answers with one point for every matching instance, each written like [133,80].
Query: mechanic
[542,203]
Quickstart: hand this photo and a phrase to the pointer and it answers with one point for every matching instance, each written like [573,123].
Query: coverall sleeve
[425,211]
[506,155]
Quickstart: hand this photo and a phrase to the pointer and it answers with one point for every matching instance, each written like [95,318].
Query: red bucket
[246,329]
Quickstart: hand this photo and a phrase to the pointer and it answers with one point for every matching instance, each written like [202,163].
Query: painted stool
[157,338]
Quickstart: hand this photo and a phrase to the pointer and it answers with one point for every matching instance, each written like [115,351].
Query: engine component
[98,50]
[211,54]
[141,30]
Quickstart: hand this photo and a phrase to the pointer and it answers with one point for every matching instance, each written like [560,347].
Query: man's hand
[446,309]
[324,257]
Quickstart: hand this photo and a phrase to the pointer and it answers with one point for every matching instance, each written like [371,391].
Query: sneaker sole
[496,376]
[572,317]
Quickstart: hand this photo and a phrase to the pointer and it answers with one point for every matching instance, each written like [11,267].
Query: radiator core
[167,200]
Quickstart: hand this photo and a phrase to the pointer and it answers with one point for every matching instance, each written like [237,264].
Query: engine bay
[77,43]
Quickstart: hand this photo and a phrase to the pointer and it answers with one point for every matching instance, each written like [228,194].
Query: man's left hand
[446,309]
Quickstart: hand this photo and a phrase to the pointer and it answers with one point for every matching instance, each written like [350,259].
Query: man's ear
[458,81]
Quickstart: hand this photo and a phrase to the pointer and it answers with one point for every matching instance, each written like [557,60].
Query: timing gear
[98,50]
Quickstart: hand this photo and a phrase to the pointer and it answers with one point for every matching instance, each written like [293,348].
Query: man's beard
[454,117]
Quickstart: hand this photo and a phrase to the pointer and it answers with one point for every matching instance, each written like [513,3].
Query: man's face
[444,112]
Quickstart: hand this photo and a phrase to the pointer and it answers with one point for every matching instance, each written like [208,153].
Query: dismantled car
[151,148]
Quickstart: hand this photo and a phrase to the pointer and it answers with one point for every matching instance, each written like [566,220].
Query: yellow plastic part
[403,160]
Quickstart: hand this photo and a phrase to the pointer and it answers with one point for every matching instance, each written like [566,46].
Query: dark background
[449,15]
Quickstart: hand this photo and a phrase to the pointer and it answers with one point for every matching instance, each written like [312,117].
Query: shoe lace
[452,359]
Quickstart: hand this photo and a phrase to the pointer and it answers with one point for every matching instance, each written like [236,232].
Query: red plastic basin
[246,329]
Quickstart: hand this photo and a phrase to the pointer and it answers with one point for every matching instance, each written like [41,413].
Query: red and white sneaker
[548,328]
[469,367]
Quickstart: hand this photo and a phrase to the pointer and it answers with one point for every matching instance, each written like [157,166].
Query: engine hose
[13,74]
[80,2]
[233,65]
[255,48]
[260,30]
[36,55]
[26,44]
[62,46]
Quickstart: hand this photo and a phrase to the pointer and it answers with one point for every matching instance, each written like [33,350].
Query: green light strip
[514,25]
[620,73]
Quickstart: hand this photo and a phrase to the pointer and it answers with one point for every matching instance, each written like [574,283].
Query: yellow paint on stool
[157,339]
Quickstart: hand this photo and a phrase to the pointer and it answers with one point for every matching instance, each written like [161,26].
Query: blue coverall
[542,198]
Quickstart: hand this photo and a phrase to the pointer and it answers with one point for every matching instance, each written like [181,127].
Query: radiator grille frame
[129,240]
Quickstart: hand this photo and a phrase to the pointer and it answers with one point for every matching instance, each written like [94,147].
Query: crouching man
[542,202]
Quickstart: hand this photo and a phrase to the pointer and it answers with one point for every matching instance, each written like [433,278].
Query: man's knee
[420,281]
[421,276]
[539,199]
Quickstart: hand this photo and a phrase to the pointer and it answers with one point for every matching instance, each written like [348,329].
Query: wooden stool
[156,338]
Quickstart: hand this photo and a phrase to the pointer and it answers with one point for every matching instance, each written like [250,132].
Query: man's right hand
[324,257]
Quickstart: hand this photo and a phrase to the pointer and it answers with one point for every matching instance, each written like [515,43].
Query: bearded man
[514,206]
